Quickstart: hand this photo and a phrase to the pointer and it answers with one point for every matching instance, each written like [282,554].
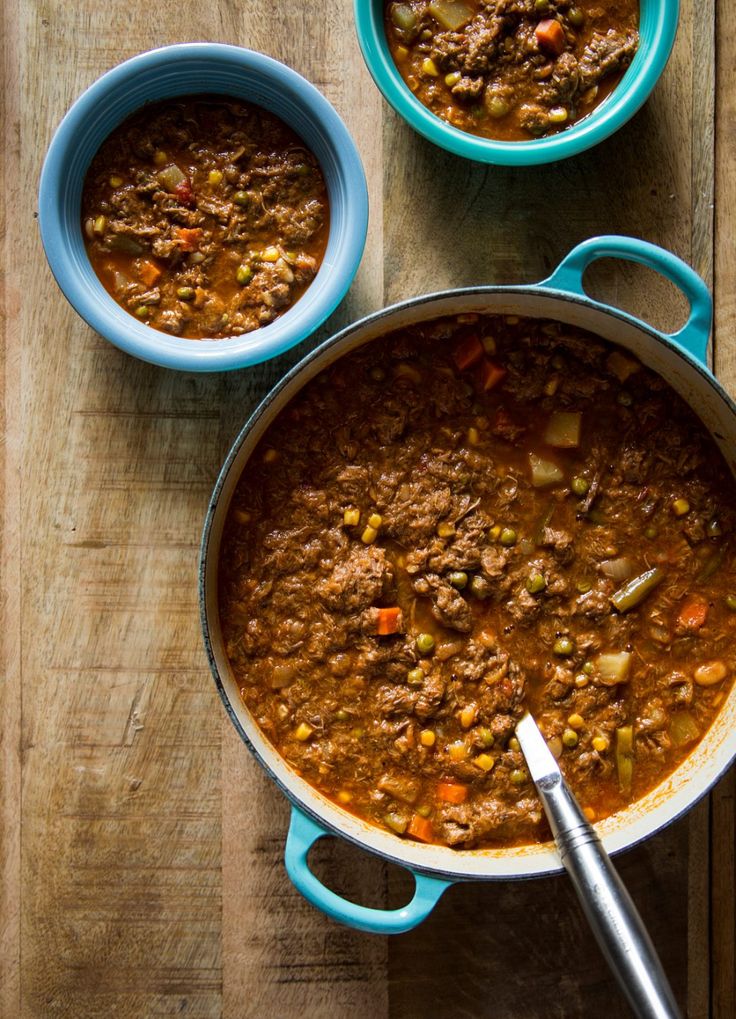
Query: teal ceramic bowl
[657,30]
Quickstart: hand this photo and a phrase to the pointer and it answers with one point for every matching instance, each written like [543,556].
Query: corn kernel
[484,761]
[680,507]
[495,532]
[445,529]
[558,115]
[427,738]
[452,78]
[401,52]
[214,177]
[159,157]
[375,520]
[99,226]
[576,721]
[473,436]
[270,254]
[467,715]
[369,535]
[457,751]
[303,731]
[115,181]
[351,517]
[429,68]
[581,680]
[344,796]
[270,456]
[600,744]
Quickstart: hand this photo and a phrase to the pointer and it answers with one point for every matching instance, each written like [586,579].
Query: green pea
[485,736]
[624,399]
[582,586]
[241,197]
[244,274]
[458,579]
[507,537]
[415,677]
[342,715]
[141,311]
[541,6]
[575,16]
[535,583]
[517,776]
[713,529]
[580,486]
[650,532]
[588,668]
[731,602]
[497,107]
[479,587]
[425,643]
[570,738]
[563,647]
[185,294]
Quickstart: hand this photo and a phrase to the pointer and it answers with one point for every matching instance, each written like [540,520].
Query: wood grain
[141,848]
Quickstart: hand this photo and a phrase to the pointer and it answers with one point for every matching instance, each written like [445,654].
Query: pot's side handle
[303,833]
[693,337]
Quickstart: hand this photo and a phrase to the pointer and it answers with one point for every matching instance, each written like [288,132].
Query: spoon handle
[610,911]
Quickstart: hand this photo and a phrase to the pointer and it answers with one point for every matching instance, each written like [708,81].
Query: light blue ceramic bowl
[657,29]
[184,70]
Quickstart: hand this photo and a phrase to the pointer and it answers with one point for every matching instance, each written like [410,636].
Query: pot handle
[303,833]
[693,337]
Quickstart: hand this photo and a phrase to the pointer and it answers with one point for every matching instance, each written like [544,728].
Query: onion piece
[618,569]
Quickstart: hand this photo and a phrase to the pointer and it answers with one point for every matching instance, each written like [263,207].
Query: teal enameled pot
[680,358]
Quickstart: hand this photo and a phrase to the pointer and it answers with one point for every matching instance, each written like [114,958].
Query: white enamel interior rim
[674,796]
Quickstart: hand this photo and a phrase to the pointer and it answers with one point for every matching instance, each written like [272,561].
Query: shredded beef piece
[606,54]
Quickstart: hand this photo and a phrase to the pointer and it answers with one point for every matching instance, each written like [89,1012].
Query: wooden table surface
[141,847]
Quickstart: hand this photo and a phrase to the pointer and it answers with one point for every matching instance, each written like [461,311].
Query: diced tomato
[189,238]
[452,792]
[693,613]
[490,374]
[389,621]
[184,192]
[420,828]
[550,36]
[468,352]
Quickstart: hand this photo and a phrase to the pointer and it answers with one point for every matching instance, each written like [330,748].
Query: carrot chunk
[189,238]
[490,374]
[467,352]
[693,613]
[389,620]
[149,272]
[420,828]
[452,792]
[550,36]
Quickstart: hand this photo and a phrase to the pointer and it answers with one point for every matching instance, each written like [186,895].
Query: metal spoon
[612,915]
